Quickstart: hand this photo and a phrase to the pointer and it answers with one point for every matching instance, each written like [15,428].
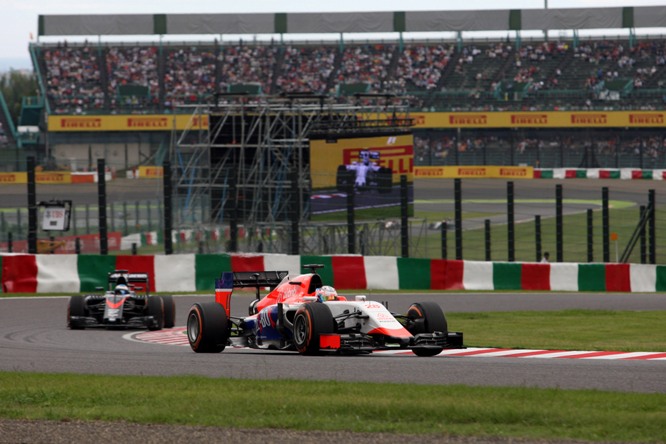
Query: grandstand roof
[353,22]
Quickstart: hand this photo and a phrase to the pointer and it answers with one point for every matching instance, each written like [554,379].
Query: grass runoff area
[451,410]
[623,219]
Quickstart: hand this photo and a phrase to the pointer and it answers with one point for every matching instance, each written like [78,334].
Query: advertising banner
[148,122]
[442,120]
[40,177]
[11,178]
[540,119]
[371,167]
[473,172]
[393,152]
[151,172]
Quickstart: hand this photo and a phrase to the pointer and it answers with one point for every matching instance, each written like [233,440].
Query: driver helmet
[121,289]
[326,293]
[364,156]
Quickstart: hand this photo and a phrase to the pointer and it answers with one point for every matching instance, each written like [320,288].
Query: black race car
[121,306]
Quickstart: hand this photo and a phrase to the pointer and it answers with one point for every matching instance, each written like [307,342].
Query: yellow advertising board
[53,177]
[130,122]
[40,177]
[473,172]
[11,178]
[151,172]
[507,119]
[537,119]
[393,152]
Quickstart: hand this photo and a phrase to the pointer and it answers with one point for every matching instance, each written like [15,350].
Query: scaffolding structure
[251,160]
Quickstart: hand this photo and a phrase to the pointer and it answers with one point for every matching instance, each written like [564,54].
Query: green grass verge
[623,221]
[358,407]
[566,330]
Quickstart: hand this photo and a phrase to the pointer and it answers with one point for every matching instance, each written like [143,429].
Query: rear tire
[156,310]
[311,321]
[207,328]
[76,307]
[169,311]
[384,180]
[427,317]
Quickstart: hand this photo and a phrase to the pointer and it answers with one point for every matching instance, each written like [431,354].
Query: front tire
[207,328]
[311,321]
[169,311]
[76,307]
[426,317]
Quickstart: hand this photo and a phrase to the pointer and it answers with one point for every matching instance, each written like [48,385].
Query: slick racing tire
[169,311]
[207,328]
[156,310]
[311,321]
[384,179]
[426,317]
[76,307]
[344,179]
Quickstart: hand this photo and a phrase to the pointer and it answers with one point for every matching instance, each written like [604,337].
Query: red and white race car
[301,314]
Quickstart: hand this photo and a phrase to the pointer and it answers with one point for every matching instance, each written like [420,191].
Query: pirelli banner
[40,177]
[146,122]
[473,172]
[554,119]
[151,172]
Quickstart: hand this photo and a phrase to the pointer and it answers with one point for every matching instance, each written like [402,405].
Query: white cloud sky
[19,17]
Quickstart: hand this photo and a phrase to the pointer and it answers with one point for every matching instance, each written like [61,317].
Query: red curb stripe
[645,357]
[591,355]
[478,352]
[534,353]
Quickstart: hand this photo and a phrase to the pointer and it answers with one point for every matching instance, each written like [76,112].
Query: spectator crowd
[89,77]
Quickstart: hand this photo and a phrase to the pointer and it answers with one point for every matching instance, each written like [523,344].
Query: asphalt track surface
[130,190]
[34,338]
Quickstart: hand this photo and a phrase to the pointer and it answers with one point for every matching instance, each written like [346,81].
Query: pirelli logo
[646,119]
[418,119]
[513,172]
[529,119]
[9,178]
[589,119]
[200,121]
[470,119]
[429,172]
[148,122]
[51,178]
[80,123]
[471,172]
[150,172]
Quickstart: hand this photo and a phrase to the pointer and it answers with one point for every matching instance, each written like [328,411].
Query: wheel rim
[300,330]
[192,327]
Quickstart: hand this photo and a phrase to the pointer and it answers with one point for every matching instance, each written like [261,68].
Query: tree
[15,85]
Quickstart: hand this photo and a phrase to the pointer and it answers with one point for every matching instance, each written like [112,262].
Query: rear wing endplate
[229,280]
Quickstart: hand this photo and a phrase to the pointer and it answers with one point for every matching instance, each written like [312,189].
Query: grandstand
[265,55]
[539,75]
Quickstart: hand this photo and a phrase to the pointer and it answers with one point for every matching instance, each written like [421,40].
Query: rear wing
[229,280]
[118,277]
[246,279]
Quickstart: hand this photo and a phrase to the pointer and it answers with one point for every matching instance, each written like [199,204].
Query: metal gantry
[253,155]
